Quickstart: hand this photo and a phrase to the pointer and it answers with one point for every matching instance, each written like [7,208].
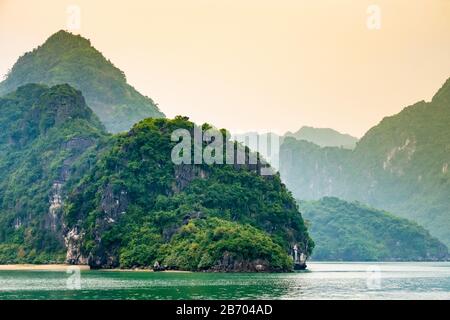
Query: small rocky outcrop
[184,174]
[73,239]
[74,147]
[113,204]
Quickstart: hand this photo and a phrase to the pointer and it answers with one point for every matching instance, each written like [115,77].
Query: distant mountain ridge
[324,137]
[321,137]
[402,165]
[69,58]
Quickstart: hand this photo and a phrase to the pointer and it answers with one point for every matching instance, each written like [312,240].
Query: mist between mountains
[212,146]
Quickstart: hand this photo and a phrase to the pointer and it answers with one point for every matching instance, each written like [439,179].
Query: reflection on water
[320,281]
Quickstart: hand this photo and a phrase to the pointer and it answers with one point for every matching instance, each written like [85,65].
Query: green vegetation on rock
[44,133]
[346,231]
[136,207]
[71,192]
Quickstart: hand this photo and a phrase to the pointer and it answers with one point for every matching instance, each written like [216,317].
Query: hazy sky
[257,64]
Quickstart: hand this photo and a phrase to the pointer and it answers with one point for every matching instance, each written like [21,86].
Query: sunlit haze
[257,65]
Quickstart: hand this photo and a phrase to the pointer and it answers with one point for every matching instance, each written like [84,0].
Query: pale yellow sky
[257,65]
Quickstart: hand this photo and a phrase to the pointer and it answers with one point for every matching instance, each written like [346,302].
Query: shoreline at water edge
[65,267]
[40,267]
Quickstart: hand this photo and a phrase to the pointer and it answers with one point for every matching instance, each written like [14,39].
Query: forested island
[87,178]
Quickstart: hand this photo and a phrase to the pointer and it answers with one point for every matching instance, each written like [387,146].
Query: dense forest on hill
[345,231]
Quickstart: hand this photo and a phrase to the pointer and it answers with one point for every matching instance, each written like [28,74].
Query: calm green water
[321,281]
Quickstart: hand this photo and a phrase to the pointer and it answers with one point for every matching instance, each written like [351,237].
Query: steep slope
[44,133]
[312,172]
[67,58]
[354,232]
[137,207]
[401,165]
[324,137]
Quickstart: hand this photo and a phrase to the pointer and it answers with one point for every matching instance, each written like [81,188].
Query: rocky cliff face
[46,133]
[229,264]
[72,241]
[75,148]
[185,174]
[113,205]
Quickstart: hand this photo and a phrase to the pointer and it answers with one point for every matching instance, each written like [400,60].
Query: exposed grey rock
[184,174]
[230,264]
[73,241]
